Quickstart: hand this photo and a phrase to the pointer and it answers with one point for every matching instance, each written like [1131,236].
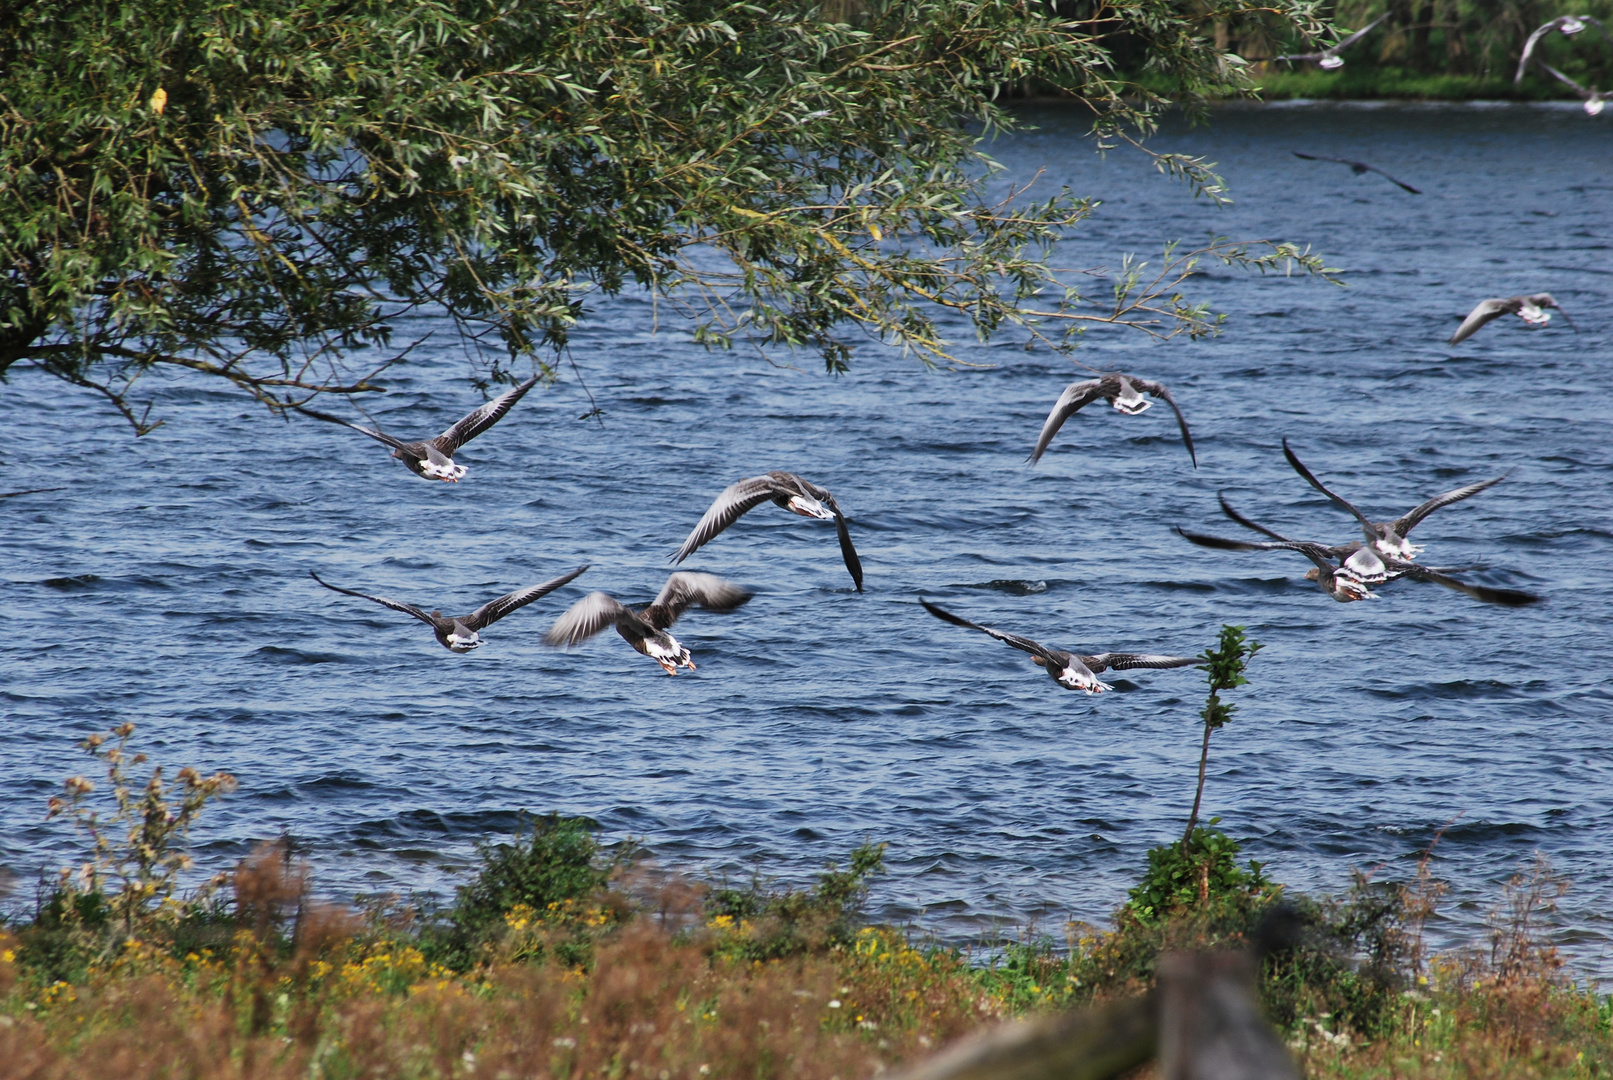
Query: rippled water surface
[168,581]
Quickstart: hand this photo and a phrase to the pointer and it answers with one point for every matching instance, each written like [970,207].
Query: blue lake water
[167,583]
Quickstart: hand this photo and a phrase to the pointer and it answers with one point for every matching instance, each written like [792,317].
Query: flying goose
[646,628]
[462,633]
[1358,167]
[1122,392]
[1329,58]
[1073,671]
[785,489]
[433,459]
[1531,309]
[1344,583]
[1594,99]
[1568,24]
[1389,537]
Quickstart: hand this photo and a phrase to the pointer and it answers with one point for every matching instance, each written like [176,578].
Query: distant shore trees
[260,191]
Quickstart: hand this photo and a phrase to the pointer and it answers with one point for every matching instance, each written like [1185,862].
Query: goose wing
[684,590]
[395,605]
[379,436]
[1121,661]
[1408,521]
[1529,49]
[1482,593]
[1358,35]
[735,501]
[479,420]
[1322,556]
[1075,397]
[494,610]
[1368,526]
[1022,643]
[586,618]
[823,495]
[1392,180]
[1226,508]
[1487,310]
[1158,390]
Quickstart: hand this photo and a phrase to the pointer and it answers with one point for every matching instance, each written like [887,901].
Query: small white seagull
[1531,309]
[646,628]
[1329,58]
[1569,25]
[1073,671]
[1122,392]
[462,633]
[784,489]
[433,459]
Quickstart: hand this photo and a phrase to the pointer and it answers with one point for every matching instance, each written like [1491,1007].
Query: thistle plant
[1225,666]
[137,853]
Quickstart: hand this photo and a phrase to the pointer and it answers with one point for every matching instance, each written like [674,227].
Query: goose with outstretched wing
[1073,671]
[1124,392]
[433,459]
[1531,309]
[1389,538]
[1329,58]
[787,490]
[1568,25]
[645,629]
[1358,167]
[462,633]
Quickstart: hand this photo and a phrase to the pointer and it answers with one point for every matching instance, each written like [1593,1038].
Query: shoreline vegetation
[563,958]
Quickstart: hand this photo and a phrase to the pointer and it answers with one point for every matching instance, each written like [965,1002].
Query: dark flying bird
[646,628]
[1073,671]
[1343,581]
[1329,58]
[1389,537]
[784,489]
[1569,25]
[1531,309]
[433,459]
[462,633]
[1122,392]
[1358,167]
[1594,99]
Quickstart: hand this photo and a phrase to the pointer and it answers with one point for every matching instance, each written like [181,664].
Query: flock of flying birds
[1330,59]
[1346,571]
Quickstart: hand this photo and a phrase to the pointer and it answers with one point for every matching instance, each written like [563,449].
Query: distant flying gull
[1343,583]
[1531,309]
[646,628]
[1073,671]
[1358,167]
[1389,537]
[1568,24]
[433,459]
[1122,392]
[462,633]
[1594,99]
[785,489]
[1329,58]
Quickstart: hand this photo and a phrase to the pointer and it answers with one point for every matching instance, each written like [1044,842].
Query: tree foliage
[261,189]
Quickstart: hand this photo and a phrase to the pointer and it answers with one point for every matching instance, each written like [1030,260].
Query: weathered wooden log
[1202,1020]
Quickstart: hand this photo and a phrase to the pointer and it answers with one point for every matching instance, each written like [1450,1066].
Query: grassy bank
[562,960]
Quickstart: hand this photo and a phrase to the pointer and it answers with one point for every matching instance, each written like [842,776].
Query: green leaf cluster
[1201,873]
[1225,666]
[263,190]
